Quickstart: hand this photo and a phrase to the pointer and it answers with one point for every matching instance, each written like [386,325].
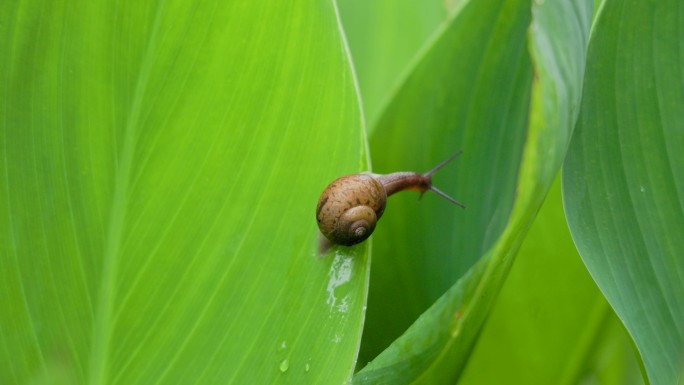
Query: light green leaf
[160,166]
[624,178]
[514,146]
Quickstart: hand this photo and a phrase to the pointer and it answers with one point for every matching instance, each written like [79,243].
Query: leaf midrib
[101,333]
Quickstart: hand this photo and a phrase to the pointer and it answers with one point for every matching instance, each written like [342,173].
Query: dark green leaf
[624,179]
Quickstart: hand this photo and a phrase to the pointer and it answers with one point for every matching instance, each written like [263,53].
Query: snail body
[350,206]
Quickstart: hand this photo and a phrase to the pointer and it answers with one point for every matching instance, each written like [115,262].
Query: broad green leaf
[384,37]
[624,178]
[515,144]
[550,317]
[160,165]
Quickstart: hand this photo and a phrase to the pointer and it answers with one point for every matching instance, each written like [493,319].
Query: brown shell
[340,196]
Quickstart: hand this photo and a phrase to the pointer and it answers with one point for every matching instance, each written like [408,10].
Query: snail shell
[350,207]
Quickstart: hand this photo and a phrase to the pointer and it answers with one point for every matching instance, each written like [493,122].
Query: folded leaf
[437,346]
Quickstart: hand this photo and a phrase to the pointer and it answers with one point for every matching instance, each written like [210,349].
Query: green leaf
[384,37]
[624,178]
[422,249]
[160,165]
[550,317]
[514,146]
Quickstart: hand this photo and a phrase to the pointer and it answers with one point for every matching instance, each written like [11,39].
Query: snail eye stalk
[445,196]
[444,163]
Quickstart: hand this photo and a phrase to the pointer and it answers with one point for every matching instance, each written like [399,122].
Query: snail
[351,205]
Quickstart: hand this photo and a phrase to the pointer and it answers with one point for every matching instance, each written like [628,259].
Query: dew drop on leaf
[284,365]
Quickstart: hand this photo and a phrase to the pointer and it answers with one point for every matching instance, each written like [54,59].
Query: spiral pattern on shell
[349,208]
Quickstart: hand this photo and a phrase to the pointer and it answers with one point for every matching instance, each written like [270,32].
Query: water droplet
[343,307]
[307,367]
[340,273]
[284,365]
[642,188]
[283,345]
[337,338]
